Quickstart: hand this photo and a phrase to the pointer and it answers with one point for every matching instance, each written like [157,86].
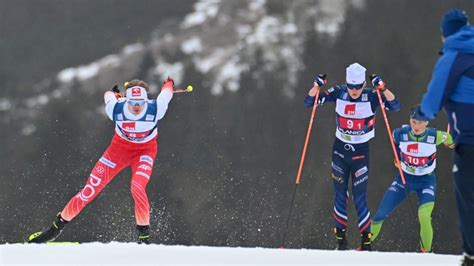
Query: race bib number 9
[354,124]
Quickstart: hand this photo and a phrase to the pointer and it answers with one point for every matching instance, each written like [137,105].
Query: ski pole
[397,159]
[389,132]
[321,77]
[189,88]
[308,134]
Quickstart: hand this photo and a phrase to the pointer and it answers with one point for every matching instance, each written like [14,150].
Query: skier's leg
[426,229]
[392,198]
[142,167]
[106,168]
[141,172]
[360,177]
[340,175]
[426,198]
[111,162]
[463,171]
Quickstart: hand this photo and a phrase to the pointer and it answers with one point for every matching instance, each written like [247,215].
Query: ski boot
[424,250]
[366,243]
[341,238]
[49,234]
[467,261]
[143,234]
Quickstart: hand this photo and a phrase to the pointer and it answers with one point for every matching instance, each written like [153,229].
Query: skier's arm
[392,105]
[442,81]
[444,138]
[164,98]
[389,96]
[396,139]
[110,99]
[329,95]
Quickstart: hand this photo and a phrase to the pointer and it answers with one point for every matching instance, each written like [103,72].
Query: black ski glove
[320,79]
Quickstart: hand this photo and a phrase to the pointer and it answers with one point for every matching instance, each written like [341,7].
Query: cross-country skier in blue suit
[355,126]
[416,146]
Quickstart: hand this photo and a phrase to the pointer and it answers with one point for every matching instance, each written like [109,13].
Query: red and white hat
[136,93]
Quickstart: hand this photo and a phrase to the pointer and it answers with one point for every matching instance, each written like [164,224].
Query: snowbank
[134,254]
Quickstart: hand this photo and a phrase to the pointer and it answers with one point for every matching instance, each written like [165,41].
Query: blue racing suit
[350,157]
[417,155]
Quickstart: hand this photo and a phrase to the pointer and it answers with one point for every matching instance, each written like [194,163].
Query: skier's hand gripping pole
[452,145]
[169,83]
[116,91]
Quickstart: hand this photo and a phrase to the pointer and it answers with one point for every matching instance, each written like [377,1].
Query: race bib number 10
[415,161]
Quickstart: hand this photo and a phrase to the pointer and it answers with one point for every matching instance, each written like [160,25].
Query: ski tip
[33,236]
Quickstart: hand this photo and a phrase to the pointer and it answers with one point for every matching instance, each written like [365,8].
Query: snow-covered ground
[134,254]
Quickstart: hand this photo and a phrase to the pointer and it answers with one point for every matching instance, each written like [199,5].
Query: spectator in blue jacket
[452,87]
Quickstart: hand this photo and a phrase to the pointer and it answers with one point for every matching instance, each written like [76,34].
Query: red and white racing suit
[134,144]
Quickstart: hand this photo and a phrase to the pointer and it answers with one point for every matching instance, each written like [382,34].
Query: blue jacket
[452,85]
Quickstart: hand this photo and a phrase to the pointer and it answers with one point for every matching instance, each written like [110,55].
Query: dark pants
[350,165]
[463,171]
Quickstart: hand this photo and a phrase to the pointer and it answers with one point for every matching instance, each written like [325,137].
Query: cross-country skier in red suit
[134,144]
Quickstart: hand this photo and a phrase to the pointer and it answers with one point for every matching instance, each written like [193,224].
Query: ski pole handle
[389,131]
[189,88]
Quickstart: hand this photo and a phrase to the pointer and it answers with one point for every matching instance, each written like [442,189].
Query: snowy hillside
[134,254]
